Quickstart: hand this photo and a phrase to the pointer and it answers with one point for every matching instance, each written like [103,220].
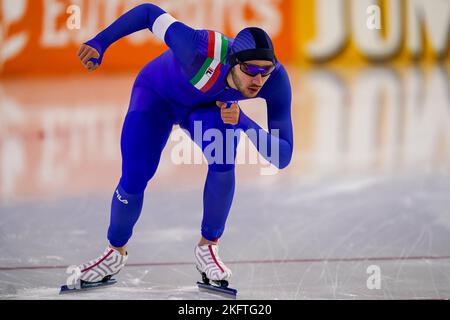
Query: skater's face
[250,77]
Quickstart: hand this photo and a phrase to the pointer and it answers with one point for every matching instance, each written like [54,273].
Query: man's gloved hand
[230,115]
[85,54]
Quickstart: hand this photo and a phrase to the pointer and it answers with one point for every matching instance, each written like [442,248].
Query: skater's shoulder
[210,42]
[278,81]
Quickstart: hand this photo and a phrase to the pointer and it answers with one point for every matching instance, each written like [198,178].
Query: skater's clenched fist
[229,115]
[85,54]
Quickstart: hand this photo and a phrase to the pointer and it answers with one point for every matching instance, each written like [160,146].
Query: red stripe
[211,43]
[214,257]
[213,79]
[101,260]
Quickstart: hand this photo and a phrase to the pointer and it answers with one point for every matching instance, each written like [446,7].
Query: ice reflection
[377,119]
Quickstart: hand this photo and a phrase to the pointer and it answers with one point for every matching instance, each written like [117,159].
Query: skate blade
[86,286]
[222,291]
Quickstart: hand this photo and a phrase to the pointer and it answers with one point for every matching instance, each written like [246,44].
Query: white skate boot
[96,273]
[212,269]
[104,267]
[209,263]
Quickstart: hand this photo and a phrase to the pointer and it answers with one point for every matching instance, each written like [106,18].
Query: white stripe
[204,80]
[161,24]
[217,46]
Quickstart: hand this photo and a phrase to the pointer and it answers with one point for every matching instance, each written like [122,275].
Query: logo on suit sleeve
[209,72]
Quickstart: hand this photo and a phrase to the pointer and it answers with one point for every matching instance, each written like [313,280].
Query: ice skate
[98,272]
[215,274]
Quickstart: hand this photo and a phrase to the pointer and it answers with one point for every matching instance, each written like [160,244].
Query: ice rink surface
[367,194]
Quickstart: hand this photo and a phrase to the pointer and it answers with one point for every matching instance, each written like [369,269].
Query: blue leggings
[145,132]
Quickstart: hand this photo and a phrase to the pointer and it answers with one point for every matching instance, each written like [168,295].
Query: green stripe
[224,51]
[202,71]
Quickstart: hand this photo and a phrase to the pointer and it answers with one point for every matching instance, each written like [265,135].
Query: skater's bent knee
[133,186]
[135,180]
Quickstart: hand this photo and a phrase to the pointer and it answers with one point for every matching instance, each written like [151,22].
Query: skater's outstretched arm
[179,37]
[278,95]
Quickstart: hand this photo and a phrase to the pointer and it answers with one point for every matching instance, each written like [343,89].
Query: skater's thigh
[218,140]
[145,132]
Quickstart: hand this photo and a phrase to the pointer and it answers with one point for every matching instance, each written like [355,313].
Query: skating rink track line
[165,264]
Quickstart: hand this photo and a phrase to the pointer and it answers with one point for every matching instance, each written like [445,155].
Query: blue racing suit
[181,86]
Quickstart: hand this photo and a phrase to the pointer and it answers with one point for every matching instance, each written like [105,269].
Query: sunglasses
[253,70]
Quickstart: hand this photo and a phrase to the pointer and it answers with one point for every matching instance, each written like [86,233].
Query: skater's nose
[258,80]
